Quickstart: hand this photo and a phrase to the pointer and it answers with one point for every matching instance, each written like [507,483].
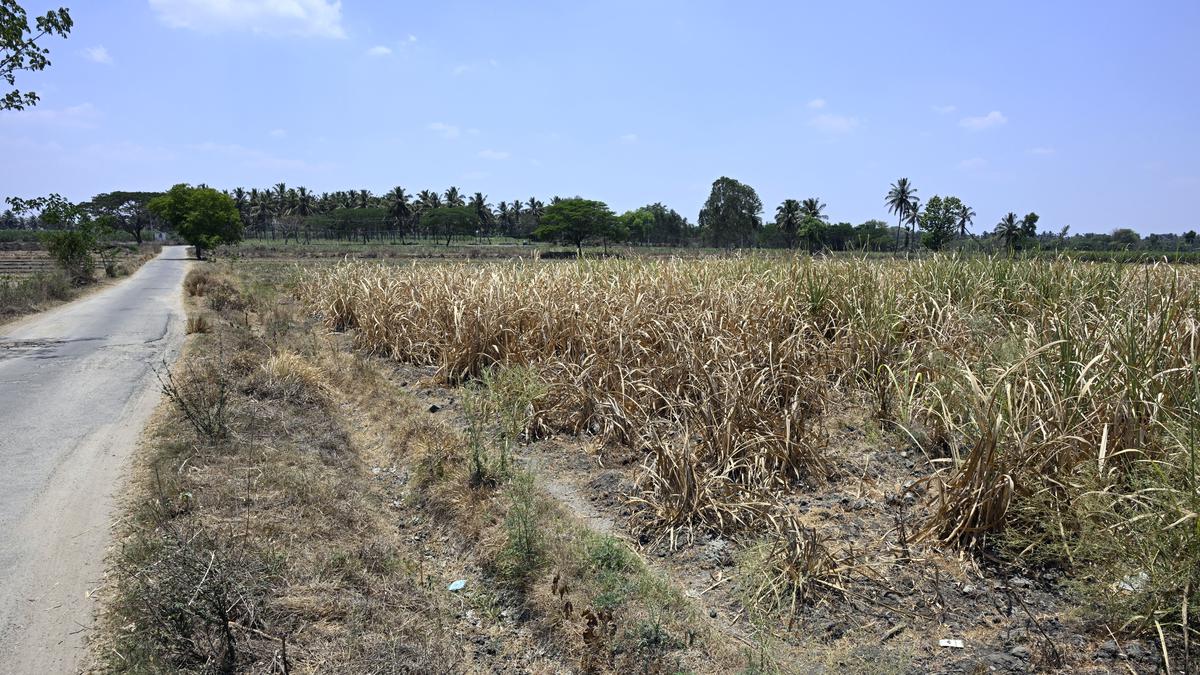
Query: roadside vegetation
[297,508]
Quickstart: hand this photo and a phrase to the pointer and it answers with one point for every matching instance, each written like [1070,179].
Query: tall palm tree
[362,199]
[483,211]
[240,202]
[504,216]
[787,218]
[304,204]
[398,207]
[1010,230]
[913,220]
[901,199]
[813,208]
[517,214]
[279,194]
[428,199]
[533,212]
[454,197]
[965,216]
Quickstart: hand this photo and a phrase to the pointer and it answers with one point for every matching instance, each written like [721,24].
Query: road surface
[76,387]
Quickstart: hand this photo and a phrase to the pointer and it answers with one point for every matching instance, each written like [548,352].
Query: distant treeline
[732,217]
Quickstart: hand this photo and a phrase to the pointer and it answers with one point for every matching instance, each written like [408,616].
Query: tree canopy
[939,221]
[577,220]
[204,217]
[451,221]
[731,216]
[19,48]
[128,211]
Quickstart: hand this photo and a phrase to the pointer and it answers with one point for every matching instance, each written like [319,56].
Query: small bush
[202,398]
[195,594]
[524,551]
[198,324]
[72,250]
[197,282]
[223,296]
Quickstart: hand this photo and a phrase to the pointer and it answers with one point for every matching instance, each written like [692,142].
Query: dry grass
[1057,398]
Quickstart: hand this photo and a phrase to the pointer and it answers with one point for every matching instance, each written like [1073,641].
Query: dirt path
[76,386]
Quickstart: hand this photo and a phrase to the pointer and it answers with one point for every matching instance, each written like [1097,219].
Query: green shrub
[72,250]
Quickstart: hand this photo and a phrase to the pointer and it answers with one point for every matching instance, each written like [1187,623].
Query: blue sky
[1085,112]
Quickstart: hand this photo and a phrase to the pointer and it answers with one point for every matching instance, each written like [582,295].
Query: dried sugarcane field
[874,454]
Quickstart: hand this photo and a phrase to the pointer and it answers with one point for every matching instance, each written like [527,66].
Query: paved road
[76,386]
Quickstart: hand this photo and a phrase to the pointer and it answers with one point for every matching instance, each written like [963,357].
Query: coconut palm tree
[787,219]
[965,216]
[1010,230]
[362,199]
[454,197]
[516,214]
[813,208]
[428,199]
[279,193]
[901,200]
[913,220]
[303,203]
[483,211]
[533,213]
[398,207]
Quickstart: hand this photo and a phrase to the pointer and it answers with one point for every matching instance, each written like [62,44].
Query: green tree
[731,215]
[204,217]
[871,235]
[1029,225]
[639,223]
[1010,231]
[1125,238]
[1189,237]
[577,220]
[901,200]
[939,221]
[812,232]
[399,208]
[76,235]
[450,221]
[814,208]
[126,211]
[787,220]
[19,48]
[484,217]
[965,216]
[454,197]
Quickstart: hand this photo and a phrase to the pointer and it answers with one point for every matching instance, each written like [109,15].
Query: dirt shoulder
[295,509]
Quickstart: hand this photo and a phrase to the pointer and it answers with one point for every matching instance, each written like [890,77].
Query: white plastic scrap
[953,644]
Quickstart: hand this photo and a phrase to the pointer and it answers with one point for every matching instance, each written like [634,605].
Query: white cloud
[1042,151]
[973,164]
[254,158]
[82,116]
[464,68]
[278,133]
[446,130]
[411,38]
[992,119]
[306,18]
[493,154]
[98,54]
[817,103]
[629,139]
[944,109]
[834,124]
[379,50]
